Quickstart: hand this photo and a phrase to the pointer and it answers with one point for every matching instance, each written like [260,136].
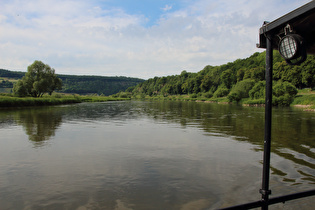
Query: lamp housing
[292,49]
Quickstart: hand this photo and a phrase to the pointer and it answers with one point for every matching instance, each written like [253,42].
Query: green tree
[205,83]
[40,78]
[221,92]
[284,93]
[308,72]
[19,89]
[227,78]
[258,91]
[241,90]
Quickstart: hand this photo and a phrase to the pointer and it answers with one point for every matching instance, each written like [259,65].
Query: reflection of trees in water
[39,124]
[292,131]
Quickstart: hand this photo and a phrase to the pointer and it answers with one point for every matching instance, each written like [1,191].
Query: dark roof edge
[301,11]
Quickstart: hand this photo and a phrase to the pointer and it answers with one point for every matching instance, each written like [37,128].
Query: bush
[284,100]
[241,90]
[220,92]
[208,94]
[234,96]
[282,88]
[258,91]
[284,93]
[194,95]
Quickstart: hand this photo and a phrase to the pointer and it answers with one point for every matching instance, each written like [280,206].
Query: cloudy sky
[134,38]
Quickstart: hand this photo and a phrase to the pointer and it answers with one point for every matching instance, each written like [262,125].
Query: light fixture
[291,47]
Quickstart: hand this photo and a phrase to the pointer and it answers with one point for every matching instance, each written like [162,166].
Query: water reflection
[149,155]
[292,135]
[39,124]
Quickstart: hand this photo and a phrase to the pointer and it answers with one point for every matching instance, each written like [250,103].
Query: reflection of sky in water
[130,156]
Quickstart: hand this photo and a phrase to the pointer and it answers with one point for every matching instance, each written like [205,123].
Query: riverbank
[11,101]
[305,99]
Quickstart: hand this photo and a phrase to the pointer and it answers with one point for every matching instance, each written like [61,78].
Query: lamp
[291,48]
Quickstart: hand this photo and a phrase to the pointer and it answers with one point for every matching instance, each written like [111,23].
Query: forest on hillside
[243,78]
[234,80]
[78,84]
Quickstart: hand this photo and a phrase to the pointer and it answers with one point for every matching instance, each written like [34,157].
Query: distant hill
[219,81]
[78,84]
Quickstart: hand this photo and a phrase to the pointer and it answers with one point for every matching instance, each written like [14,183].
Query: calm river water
[151,155]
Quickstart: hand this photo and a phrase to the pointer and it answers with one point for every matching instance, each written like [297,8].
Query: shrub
[258,91]
[194,95]
[220,92]
[241,90]
[282,88]
[208,94]
[284,93]
[234,96]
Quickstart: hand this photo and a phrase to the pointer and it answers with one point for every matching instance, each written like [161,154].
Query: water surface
[150,155]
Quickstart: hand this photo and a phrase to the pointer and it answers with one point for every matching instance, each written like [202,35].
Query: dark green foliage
[19,89]
[28,101]
[257,74]
[258,91]
[86,84]
[240,79]
[233,79]
[208,94]
[308,72]
[227,78]
[241,90]
[39,79]
[96,84]
[11,74]
[220,92]
[6,84]
[283,94]
[282,88]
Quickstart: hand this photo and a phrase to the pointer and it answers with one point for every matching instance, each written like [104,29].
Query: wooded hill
[234,80]
[78,84]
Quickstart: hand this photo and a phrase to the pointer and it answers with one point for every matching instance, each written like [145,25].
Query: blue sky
[134,38]
[151,10]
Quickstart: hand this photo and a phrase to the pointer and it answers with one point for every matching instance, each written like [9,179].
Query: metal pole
[267,142]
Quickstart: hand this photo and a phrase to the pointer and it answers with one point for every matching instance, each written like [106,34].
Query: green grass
[305,97]
[304,100]
[100,98]
[253,102]
[9,101]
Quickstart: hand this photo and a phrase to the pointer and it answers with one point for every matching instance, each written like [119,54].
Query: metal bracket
[287,29]
[265,192]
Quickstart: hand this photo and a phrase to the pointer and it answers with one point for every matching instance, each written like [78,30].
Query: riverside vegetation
[241,81]
[41,79]
[8,100]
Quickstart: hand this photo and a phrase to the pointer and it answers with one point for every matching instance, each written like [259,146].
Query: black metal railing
[267,38]
[271,201]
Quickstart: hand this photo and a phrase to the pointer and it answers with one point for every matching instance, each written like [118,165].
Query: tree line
[97,84]
[100,85]
[243,78]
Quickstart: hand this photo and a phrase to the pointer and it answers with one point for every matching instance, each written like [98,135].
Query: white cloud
[84,37]
[167,8]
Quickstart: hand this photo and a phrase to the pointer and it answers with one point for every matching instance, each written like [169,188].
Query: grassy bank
[304,98]
[10,101]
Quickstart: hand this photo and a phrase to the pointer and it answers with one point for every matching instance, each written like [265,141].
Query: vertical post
[267,139]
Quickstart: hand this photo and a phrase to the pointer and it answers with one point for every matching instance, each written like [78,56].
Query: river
[151,155]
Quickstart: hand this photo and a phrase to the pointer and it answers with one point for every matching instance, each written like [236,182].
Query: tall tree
[40,78]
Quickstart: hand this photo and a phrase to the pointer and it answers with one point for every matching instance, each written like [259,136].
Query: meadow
[7,100]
